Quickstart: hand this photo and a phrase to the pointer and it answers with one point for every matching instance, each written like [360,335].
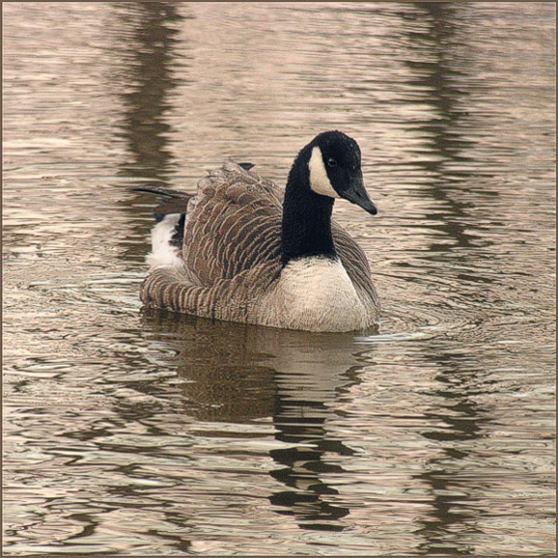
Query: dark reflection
[438,74]
[306,391]
[147,82]
[463,420]
[237,373]
[149,58]
[303,422]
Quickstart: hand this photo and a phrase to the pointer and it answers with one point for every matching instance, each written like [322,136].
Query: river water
[130,432]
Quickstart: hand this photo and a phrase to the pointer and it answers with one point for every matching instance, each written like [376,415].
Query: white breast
[316,294]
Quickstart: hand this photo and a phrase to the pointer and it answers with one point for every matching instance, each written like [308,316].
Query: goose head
[334,169]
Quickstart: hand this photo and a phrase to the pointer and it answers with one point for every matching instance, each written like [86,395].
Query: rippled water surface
[141,432]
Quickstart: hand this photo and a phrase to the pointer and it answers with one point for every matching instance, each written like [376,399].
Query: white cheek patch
[319,181]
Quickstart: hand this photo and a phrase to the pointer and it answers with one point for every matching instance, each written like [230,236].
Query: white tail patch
[163,253]
[319,180]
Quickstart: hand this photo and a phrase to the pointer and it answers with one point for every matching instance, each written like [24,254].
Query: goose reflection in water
[238,373]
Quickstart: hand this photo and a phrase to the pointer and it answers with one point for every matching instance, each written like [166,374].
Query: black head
[335,169]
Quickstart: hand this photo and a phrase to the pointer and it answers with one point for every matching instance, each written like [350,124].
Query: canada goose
[237,251]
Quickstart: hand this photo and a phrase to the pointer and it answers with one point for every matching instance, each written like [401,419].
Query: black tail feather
[171,201]
[164,192]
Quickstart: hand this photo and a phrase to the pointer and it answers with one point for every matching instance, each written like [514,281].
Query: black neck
[306,229]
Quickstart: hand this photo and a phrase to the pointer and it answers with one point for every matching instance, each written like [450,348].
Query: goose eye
[331,163]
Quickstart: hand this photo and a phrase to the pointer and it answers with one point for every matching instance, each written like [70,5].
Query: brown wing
[233,224]
[354,260]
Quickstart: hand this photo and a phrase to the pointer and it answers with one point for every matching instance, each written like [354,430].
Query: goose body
[243,250]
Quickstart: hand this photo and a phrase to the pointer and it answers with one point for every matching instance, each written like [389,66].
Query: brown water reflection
[141,432]
[149,58]
[238,373]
